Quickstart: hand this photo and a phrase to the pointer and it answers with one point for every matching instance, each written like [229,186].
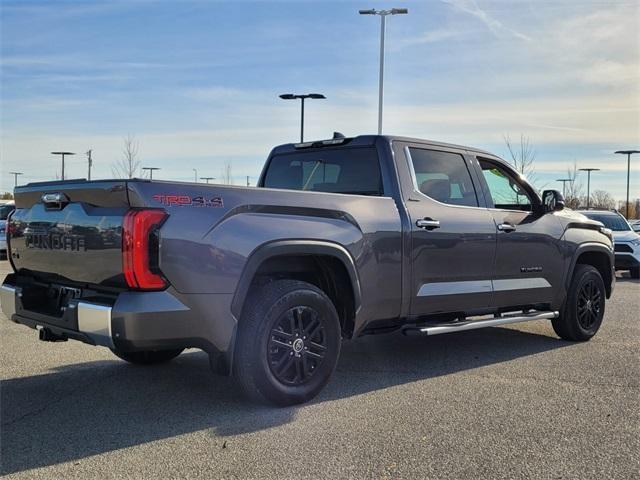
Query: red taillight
[136,249]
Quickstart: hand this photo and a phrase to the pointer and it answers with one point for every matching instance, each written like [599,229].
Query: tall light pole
[248,180]
[628,153]
[195,175]
[151,169]
[293,96]
[564,185]
[206,179]
[62,154]
[15,178]
[90,163]
[589,170]
[383,22]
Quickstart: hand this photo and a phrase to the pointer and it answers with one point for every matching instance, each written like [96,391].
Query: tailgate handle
[55,200]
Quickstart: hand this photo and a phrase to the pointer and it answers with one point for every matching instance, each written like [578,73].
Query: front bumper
[625,261]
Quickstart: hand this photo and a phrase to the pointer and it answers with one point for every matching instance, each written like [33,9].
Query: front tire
[583,309]
[147,357]
[288,343]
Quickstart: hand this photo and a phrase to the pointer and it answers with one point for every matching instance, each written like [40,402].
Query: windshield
[345,170]
[613,221]
[5,210]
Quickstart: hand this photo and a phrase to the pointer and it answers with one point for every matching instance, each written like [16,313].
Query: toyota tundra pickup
[342,238]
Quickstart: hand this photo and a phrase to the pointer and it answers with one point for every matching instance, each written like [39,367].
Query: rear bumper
[133,321]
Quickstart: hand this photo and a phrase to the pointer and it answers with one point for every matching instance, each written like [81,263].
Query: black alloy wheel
[589,304]
[297,345]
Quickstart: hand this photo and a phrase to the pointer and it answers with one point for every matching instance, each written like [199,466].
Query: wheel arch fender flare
[293,247]
[592,247]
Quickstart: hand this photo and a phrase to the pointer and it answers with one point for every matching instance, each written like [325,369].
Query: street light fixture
[589,170]
[151,169]
[293,96]
[383,21]
[628,153]
[62,154]
[206,179]
[15,178]
[564,185]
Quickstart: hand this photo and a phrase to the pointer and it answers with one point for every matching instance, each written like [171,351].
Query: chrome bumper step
[437,329]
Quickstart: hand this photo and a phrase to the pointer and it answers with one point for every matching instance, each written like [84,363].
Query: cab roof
[370,140]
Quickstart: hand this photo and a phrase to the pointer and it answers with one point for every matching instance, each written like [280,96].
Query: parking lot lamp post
[564,185]
[589,170]
[151,169]
[383,22]
[15,178]
[294,96]
[628,153]
[62,154]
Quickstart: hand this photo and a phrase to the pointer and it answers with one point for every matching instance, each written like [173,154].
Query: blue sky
[197,82]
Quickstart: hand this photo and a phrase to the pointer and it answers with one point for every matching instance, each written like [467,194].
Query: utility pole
[151,169]
[564,185]
[15,178]
[62,154]
[206,179]
[195,175]
[90,162]
[247,180]
[628,153]
[383,22]
[589,170]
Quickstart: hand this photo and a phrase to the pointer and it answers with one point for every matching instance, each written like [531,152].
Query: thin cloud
[495,26]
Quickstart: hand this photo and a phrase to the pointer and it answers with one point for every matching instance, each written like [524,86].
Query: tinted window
[5,210]
[612,221]
[506,192]
[443,176]
[346,170]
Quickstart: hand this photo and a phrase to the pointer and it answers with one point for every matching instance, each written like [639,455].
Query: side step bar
[437,329]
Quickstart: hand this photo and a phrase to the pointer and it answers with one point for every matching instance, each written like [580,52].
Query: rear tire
[147,357]
[583,309]
[288,343]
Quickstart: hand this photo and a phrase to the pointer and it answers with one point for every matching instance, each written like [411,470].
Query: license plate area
[50,300]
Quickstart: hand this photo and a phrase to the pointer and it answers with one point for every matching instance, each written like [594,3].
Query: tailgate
[70,231]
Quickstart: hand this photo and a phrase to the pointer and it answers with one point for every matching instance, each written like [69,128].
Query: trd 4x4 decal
[187,201]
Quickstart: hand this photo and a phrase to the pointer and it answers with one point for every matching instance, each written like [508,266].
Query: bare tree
[602,199]
[128,165]
[522,157]
[226,176]
[574,187]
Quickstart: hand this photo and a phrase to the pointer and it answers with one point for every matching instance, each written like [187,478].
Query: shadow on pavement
[86,409]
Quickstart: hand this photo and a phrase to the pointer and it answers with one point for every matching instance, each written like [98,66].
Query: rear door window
[347,170]
[443,176]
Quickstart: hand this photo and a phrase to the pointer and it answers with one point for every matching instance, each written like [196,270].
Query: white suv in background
[626,241]
[5,209]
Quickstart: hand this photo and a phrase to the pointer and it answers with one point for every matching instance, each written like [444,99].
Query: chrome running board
[437,329]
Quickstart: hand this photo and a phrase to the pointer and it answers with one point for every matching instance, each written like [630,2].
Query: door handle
[506,227]
[427,223]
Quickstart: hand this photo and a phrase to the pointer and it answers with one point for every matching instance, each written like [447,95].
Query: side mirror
[552,201]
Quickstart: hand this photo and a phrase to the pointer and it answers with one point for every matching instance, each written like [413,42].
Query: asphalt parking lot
[495,403]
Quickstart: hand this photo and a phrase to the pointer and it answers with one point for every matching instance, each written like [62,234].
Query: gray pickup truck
[342,238]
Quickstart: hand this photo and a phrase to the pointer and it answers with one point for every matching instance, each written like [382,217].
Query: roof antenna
[337,135]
